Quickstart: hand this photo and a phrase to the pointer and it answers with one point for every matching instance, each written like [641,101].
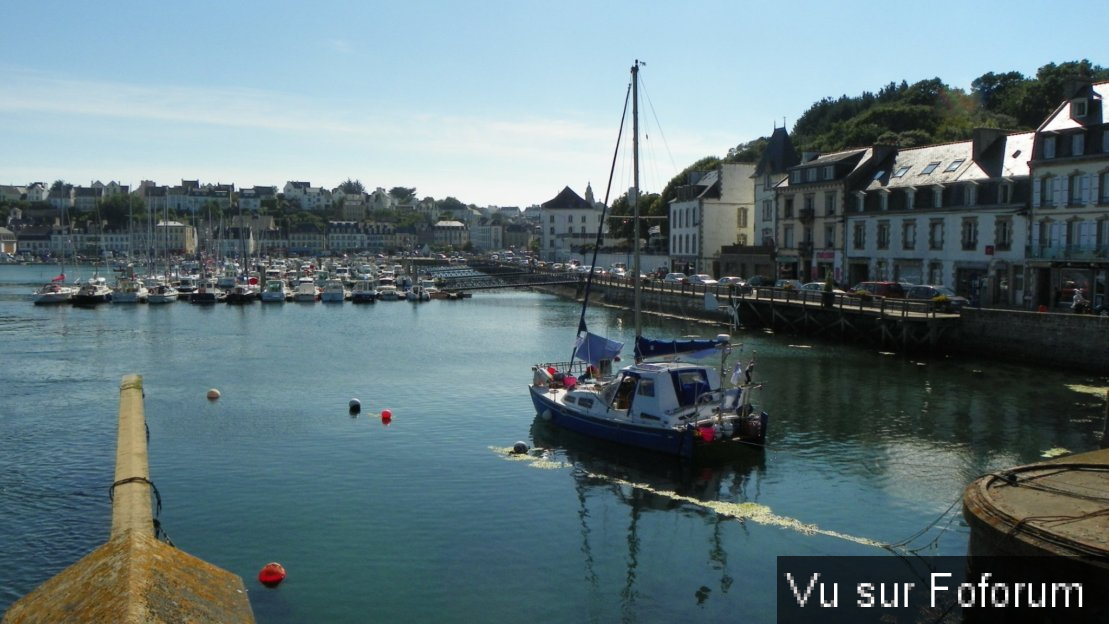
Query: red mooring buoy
[386,416]
[271,575]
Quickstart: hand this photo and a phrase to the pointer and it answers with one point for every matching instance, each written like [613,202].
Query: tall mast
[635,194]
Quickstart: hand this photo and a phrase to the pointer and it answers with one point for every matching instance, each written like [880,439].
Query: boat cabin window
[689,385]
[624,393]
[646,388]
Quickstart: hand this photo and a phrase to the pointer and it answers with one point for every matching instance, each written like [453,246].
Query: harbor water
[429,517]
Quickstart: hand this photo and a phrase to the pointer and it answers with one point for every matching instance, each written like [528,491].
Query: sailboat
[670,400]
[56,290]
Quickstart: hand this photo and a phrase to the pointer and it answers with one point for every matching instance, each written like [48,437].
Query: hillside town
[1017,220]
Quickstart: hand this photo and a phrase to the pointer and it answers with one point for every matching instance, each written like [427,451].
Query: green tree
[450,205]
[402,193]
[352,187]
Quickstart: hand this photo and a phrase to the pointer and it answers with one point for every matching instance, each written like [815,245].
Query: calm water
[429,519]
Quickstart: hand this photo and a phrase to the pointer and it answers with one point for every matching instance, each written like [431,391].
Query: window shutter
[1036,193]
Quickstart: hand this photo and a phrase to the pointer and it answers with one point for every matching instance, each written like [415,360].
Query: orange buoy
[272,574]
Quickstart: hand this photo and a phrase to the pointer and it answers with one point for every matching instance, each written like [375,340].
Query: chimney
[809,156]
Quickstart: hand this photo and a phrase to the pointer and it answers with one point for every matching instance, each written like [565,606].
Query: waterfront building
[8,242]
[810,203]
[307,239]
[711,211]
[569,224]
[487,236]
[757,256]
[1069,243]
[40,240]
[949,214]
[454,234]
[345,237]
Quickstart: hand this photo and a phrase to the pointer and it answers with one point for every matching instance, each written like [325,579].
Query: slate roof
[1003,156]
[1060,119]
[779,155]
[567,200]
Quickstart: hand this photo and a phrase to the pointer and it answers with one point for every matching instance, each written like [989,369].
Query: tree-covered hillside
[930,111]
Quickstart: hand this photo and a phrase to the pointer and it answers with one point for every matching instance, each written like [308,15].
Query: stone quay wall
[1061,340]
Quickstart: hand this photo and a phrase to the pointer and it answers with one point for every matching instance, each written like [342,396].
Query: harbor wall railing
[135,577]
[1063,340]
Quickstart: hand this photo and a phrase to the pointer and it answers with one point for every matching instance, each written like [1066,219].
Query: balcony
[805,248]
[1077,253]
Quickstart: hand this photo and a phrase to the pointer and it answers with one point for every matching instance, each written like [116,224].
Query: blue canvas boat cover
[646,348]
[593,348]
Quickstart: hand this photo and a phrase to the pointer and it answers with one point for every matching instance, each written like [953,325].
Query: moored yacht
[276,291]
[93,292]
[364,291]
[54,292]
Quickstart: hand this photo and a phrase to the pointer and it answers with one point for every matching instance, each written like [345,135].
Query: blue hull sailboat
[674,399]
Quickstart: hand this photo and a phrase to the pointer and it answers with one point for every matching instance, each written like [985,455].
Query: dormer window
[1078,108]
[1078,144]
[829,172]
[810,174]
[1049,147]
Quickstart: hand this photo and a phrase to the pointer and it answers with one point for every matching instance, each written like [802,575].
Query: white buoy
[520,448]
[355,406]
[213,394]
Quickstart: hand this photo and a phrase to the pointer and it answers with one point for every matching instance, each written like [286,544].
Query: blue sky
[491,102]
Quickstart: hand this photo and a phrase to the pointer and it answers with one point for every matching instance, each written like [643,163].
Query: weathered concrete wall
[1078,341]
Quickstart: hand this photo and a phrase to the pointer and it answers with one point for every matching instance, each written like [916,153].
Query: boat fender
[355,406]
[542,377]
[547,414]
[519,448]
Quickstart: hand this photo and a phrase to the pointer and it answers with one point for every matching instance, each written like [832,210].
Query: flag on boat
[654,229]
[593,348]
[60,278]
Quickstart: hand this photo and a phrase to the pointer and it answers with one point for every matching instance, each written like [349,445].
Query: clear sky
[488,101]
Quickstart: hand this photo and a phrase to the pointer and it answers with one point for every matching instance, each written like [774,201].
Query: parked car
[820,286]
[703,279]
[759,281]
[674,278]
[788,284]
[879,289]
[943,297]
[724,281]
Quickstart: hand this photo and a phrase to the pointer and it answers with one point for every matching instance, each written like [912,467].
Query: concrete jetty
[135,577]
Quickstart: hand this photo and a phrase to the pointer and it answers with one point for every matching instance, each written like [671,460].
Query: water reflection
[646,483]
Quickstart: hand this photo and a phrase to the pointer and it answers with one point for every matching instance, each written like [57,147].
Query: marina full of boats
[273,281]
